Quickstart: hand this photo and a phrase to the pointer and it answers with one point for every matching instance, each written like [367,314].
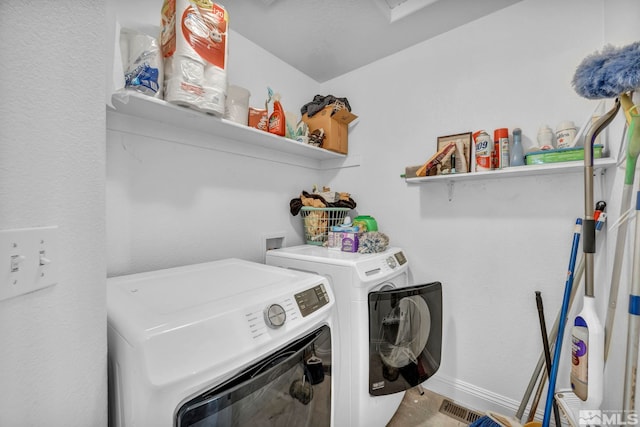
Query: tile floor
[422,411]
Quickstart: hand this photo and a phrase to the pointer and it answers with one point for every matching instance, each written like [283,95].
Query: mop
[614,72]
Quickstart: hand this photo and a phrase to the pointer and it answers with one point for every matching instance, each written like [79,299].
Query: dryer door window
[291,387]
[405,337]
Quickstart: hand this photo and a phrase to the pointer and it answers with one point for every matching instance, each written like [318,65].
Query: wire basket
[318,221]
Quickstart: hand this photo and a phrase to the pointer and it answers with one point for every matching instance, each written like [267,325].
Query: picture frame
[465,138]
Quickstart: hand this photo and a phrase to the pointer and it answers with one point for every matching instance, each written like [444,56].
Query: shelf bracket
[450,190]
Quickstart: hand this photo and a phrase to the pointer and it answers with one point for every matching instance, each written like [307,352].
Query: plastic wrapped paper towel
[194,45]
[142,62]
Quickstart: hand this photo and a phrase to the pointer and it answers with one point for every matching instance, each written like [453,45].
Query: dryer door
[287,388]
[405,337]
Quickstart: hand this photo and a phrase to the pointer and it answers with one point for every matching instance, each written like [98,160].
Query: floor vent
[458,412]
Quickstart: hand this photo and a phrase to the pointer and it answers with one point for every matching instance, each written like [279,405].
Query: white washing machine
[390,331]
[224,343]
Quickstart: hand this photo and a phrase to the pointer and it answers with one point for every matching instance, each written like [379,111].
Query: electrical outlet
[28,260]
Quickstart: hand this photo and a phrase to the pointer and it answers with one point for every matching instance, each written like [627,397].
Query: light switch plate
[28,260]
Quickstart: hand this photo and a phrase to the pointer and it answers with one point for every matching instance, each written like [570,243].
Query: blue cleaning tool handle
[563,320]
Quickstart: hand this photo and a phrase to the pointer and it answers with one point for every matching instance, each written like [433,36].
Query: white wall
[172,204]
[52,159]
[496,241]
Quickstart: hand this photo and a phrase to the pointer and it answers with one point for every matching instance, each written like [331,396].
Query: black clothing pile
[319,102]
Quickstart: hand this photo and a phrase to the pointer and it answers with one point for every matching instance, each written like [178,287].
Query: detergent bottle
[277,120]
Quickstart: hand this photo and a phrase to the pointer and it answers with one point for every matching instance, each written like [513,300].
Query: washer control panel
[275,316]
[312,299]
[399,256]
[391,262]
[382,264]
[265,320]
[395,260]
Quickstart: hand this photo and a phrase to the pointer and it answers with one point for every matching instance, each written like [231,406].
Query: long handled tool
[587,334]
[633,150]
[547,351]
[633,331]
[563,314]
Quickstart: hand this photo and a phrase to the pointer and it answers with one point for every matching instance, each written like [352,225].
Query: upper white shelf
[253,141]
[529,170]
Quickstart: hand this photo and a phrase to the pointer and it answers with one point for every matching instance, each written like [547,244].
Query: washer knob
[391,262]
[274,316]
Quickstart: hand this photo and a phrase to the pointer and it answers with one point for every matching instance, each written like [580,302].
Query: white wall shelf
[220,132]
[529,170]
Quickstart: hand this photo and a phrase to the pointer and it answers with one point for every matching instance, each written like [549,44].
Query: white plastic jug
[566,135]
[237,105]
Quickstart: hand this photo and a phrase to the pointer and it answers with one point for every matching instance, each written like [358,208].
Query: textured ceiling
[327,38]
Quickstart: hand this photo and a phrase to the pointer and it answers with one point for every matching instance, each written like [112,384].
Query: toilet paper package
[195,48]
[142,62]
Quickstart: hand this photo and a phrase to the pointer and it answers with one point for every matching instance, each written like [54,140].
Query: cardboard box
[410,171]
[336,127]
[345,241]
[560,155]
[343,238]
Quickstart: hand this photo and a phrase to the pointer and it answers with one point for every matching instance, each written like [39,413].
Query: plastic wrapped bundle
[142,62]
[194,45]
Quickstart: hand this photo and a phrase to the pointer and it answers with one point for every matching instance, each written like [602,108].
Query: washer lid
[325,255]
[369,267]
[174,290]
[182,321]
[184,294]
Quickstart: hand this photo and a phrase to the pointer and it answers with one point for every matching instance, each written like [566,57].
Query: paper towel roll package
[195,48]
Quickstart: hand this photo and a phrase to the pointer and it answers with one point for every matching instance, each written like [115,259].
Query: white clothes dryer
[390,331]
[224,343]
